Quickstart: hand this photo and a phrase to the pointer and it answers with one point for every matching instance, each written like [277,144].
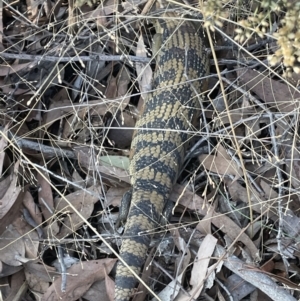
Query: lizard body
[158,145]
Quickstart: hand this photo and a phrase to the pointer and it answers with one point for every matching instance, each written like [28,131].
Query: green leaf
[116,161]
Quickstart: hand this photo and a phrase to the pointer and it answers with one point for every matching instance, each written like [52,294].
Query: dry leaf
[83,201]
[99,288]
[277,95]
[18,286]
[11,247]
[123,81]
[3,144]
[32,208]
[200,266]
[11,201]
[122,130]
[84,274]
[188,199]
[144,72]
[30,238]
[114,195]
[172,289]
[226,225]
[46,200]
[220,165]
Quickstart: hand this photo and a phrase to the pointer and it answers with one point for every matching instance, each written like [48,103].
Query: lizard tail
[153,174]
[135,243]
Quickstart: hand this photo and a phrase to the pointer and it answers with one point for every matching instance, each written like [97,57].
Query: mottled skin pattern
[158,144]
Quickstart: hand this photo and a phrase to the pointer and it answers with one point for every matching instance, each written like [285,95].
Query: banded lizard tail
[158,145]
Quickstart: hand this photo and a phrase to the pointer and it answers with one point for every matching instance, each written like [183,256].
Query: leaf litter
[72,88]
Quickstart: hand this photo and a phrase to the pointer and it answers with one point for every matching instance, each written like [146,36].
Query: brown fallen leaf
[173,288]
[16,282]
[281,279]
[99,288]
[238,287]
[110,7]
[200,267]
[292,156]
[7,270]
[144,73]
[38,276]
[223,222]
[3,186]
[226,225]
[258,202]
[62,108]
[14,68]
[1,26]
[11,246]
[46,199]
[146,276]
[3,145]
[204,226]
[114,195]
[110,287]
[80,278]
[122,130]
[123,93]
[221,165]
[277,95]
[32,207]
[11,201]
[41,270]
[83,201]
[36,284]
[185,197]
[29,237]
[111,89]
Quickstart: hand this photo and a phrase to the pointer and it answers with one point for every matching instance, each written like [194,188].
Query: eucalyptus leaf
[116,161]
